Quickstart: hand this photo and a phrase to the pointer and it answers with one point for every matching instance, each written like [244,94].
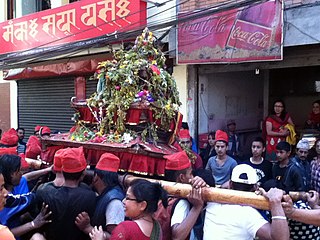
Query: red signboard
[73,22]
[245,34]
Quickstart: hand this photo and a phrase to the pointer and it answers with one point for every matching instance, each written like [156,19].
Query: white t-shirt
[180,212]
[114,212]
[231,222]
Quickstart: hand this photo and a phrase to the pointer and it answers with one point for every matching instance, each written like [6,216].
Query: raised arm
[278,229]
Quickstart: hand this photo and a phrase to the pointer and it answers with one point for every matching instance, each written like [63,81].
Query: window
[19,8]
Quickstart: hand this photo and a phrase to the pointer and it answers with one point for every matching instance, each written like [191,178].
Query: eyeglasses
[131,199]
[278,106]
[185,142]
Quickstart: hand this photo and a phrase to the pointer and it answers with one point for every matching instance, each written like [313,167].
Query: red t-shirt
[128,230]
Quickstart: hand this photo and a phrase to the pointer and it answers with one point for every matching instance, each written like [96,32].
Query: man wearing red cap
[185,143]
[33,147]
[67,201]
[57,169]
[48,154]
[9,142]
[36,130]
[221,165]
[109,210]
[183,212]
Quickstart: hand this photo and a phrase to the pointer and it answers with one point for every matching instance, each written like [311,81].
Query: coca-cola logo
[256,38]
[204,27]
[246,35]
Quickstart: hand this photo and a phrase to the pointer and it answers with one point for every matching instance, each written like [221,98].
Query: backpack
[163,216]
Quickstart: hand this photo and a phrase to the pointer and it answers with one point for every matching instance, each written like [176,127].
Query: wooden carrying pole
[209,194]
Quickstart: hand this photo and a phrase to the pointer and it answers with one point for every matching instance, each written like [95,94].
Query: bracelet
[32,224]
[278,218]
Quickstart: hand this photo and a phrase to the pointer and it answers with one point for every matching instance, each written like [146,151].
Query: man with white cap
[301,161]
[233,222]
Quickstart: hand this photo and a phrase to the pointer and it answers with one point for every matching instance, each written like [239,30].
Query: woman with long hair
[276,130]
[140,203]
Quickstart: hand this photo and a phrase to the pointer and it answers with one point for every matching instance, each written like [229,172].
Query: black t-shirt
[264,170]
[66,203]
[288,178]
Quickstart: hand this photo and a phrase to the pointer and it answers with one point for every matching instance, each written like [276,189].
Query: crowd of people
[68,200]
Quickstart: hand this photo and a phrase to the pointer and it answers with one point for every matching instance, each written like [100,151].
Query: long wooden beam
[209,194]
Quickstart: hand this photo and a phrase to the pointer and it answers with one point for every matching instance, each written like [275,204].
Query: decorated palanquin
[133,113]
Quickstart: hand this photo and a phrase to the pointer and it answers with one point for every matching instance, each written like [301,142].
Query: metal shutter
[91,87]
[45,102]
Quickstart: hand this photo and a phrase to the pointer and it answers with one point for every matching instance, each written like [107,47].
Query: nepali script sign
[246,34]
[73,22]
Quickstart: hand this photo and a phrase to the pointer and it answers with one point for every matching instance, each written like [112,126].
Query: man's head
[106,171]
[283,151]
[33,147]
[36,130]
[178,167]
[185,139]
[257,147]
[45,132]
[244,178]
[73,163]
[10,138]
[20,133]
[303,149]
[231,125]
[57,161]
[221,144]
[11,165]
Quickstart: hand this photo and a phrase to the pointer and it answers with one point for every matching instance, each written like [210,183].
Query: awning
[80,67]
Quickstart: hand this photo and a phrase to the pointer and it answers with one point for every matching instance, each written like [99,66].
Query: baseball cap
[244,173]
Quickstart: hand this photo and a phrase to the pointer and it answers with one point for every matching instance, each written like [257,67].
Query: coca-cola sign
[239,35]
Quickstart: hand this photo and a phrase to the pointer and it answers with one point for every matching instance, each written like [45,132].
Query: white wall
[13,101]
[3,12]
[233,95]
[58,3]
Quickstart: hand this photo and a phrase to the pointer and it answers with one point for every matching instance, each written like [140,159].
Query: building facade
[245,92]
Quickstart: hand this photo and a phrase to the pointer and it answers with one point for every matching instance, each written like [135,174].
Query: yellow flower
[98,134]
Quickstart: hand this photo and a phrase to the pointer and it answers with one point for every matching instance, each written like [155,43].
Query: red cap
[33,147]
[108,162]
[221,136]
[73,160]
[37,128]
[184,133]
[10,138]
[45,130]
[57,160]
[177,161]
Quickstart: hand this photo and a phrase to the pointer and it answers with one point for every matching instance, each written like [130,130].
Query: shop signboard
[247,34]
[75,22]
